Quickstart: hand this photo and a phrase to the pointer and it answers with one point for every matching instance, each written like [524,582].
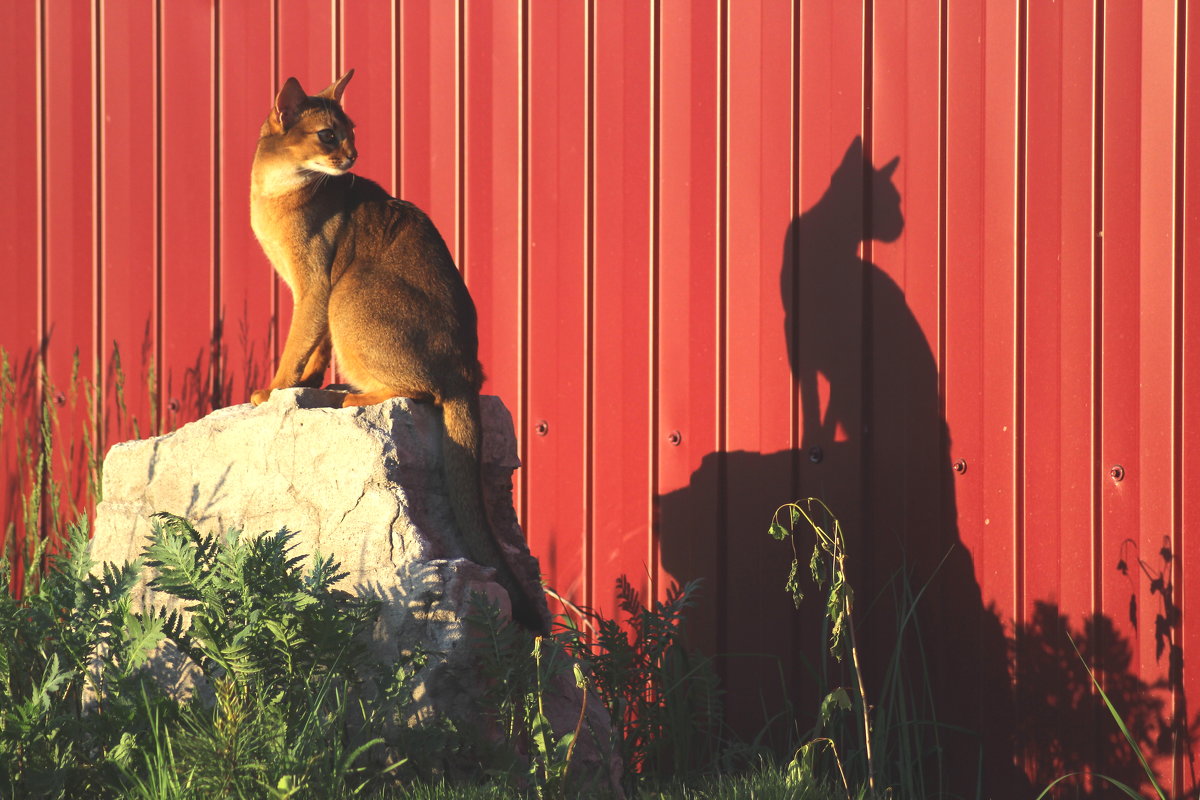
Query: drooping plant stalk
[840,602]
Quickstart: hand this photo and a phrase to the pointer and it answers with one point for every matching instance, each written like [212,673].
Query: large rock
[366,485]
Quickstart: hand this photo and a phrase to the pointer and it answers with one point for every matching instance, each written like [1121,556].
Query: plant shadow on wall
[876,447]
[55,435]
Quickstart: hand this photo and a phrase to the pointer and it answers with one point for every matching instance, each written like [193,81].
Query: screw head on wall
[542,428]
[960,466]
[1117,473]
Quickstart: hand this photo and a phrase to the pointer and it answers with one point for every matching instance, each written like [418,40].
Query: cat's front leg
[308,334]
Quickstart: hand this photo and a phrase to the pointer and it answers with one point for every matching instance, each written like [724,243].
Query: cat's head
[311,134]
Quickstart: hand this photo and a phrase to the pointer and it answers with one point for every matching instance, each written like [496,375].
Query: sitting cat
[373,281]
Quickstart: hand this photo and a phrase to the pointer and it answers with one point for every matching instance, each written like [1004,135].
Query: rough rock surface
[364,484]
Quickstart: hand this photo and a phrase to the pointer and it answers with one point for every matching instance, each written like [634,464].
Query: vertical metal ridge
[460,134]
[397,99]
[589,304]
[1097,338]
[274,346]
[793,333]
[42,211]
[943,222]
[867,332]
[655,287]
[523,224]
[951,536]
[1178,695]
[99,323]
[1097,309]
[158,422]
[43,311]
[215,367]
[1019,319]
[1019,312]
[336,10]
[394,77]
[337,54]
[867,87]
[722,154]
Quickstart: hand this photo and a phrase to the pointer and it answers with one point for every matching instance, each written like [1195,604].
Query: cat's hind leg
[314,371]
[367,398]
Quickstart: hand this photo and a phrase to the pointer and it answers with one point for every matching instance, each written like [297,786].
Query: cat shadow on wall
[875,446]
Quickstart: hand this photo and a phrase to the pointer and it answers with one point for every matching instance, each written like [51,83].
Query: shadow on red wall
[876,446]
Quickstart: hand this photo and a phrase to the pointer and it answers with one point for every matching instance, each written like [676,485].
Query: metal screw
[960,466]
[675,437]
[172,405]
[1117,473]
[815,454]
[60,398]
[542,428]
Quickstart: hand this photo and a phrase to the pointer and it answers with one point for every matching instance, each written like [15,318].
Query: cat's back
[389,228]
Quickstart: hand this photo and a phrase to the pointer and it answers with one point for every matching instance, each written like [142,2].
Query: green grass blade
[1120,724]
[1127,790]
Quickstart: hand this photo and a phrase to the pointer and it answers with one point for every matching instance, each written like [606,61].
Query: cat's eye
[327,136]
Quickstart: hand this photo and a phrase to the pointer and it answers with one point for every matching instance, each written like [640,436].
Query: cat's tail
[461,450]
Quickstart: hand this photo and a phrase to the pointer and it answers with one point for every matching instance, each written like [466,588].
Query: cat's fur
[373,281]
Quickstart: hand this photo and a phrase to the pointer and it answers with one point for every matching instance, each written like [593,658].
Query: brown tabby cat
[372,280]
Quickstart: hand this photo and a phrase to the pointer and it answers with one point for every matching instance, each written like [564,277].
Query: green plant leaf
[837,700]
[140,635]
[800,771]
[792,586]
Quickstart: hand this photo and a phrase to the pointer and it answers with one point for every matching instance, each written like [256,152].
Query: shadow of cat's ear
[889,169]
[854,154]
[335,90]
[288,103]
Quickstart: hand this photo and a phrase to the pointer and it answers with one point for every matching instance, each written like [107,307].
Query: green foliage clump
[280,649]
[662,696]
[518,670]
[255,617]
[72,635]
[80,717]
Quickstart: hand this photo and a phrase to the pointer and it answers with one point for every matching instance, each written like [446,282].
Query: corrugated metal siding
[659,210]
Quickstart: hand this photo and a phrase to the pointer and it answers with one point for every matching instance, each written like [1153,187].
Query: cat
[374,283]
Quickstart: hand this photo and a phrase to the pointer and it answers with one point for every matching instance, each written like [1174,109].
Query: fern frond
[179,555]
[141,634]
[78,563]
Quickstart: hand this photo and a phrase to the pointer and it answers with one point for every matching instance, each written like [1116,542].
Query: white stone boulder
[365,485]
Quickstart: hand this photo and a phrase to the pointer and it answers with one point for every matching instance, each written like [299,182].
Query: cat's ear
[334,90]
[288,103]
[888,169]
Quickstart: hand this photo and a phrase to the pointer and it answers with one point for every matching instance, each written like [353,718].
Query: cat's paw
[260,396]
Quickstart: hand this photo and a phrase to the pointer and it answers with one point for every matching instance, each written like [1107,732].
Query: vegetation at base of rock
[671,724]
[281,659]
[80,717]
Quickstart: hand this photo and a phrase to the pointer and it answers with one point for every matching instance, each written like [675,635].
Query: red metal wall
[687,282]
